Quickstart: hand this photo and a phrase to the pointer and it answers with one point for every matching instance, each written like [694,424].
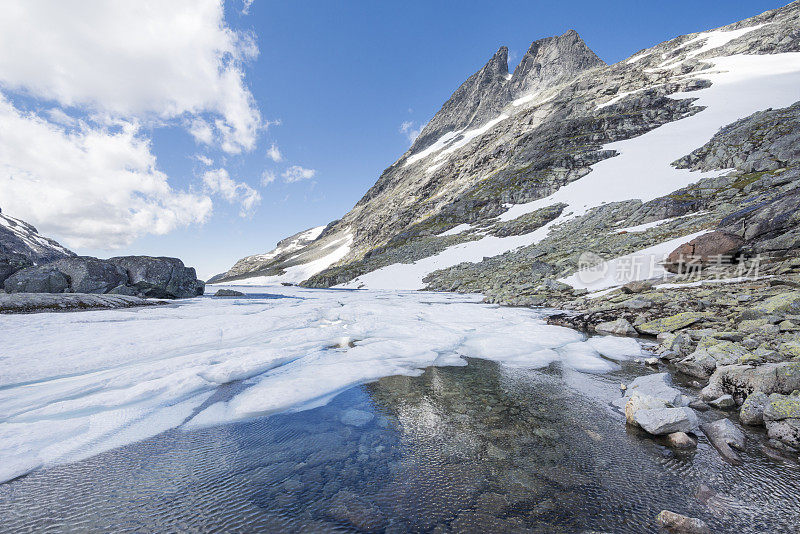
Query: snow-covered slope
[19,237]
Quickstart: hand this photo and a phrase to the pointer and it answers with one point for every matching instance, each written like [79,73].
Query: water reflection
[458,449]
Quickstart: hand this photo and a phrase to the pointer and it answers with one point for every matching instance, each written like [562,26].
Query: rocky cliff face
[517,175]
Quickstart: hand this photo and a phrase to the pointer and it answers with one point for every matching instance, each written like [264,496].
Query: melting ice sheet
[76,384]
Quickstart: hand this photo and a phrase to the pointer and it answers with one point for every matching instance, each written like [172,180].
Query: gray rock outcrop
[160,277]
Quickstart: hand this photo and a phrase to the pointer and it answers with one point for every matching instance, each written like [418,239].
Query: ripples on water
[460,449]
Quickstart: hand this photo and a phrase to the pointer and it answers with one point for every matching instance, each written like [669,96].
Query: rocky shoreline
[736,341]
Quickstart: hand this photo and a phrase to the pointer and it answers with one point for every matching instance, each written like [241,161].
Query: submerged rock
[347,507]
[723,435]
[681,524]
[355,417]
[681,440]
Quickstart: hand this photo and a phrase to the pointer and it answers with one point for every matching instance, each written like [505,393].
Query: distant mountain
[519,174]
[20,238]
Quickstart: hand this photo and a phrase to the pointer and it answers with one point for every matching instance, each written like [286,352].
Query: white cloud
[274,153]
[246,6]
[94,186]
[205,160]
[145,59]
[59,117]
[201,131]
[408,129]
[296,173]
[218,181]
[267,177]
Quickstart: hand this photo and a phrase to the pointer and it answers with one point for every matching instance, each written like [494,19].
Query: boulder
[782,418]
[711,248]
[681,524]
[723,403]
[752,411]
[160,277]
[662,421]
[670,324]
[740,381]
[639,401]
[37,280]
[638,286]
[657,386]
[723,435]
[90,275]
[620,327]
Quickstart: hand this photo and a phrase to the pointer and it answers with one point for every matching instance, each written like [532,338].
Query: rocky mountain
[19,237]
[520,176]
[21,246]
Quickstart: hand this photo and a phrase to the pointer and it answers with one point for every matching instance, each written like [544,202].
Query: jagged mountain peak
[550,61]
[481,95]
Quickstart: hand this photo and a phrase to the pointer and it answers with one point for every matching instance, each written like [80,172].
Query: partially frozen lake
[73,385]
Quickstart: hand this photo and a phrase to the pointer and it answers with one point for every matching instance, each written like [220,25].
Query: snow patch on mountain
[302,271]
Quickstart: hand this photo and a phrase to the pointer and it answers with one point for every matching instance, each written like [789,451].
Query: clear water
[479,448]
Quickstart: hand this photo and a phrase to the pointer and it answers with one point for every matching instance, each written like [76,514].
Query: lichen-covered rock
[671,323]
[228,293]
[740,381]
[49,302]
[752,411]
[782,418]
[11,263]
[723,403]
[783,303]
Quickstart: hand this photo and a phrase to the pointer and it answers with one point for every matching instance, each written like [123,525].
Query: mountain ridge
[538,145]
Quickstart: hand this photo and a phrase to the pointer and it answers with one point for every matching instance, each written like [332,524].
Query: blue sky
[334,81]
